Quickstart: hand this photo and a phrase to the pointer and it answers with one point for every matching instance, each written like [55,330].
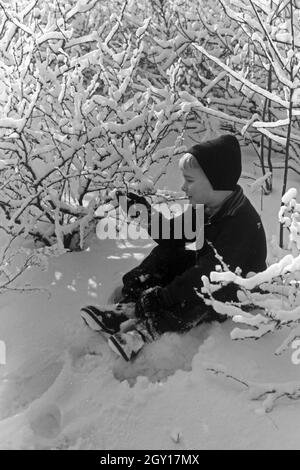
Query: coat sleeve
[233,245]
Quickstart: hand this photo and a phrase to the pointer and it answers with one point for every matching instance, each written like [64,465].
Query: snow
[63,388]
[290,194]
[143,28]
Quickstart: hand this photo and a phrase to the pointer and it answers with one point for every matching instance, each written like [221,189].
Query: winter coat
[235,233]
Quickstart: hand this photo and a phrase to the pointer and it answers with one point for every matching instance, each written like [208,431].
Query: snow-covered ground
[63,388]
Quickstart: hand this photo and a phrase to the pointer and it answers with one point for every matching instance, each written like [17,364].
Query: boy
[161,290]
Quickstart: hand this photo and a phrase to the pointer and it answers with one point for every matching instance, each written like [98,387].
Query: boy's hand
[150,301]
[137,199]
[131,199]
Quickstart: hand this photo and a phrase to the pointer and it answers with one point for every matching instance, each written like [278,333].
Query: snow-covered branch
[79,118]
[267,301]
[268,393]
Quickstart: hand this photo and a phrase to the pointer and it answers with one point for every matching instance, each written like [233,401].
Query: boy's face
[196,186]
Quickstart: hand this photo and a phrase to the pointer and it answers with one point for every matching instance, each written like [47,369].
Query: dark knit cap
[220,159]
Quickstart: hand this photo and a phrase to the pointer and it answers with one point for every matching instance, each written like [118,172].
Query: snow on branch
[79,118]
[238,76]
[268,393]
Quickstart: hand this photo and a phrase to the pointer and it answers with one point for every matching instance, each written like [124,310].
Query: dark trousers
[159,268]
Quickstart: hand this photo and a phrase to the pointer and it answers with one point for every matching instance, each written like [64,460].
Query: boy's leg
[189,313]
[179,319]
[158,268]
[150,328]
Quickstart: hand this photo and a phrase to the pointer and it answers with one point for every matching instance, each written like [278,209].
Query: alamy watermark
[2,353]
[118,223]
[296,354]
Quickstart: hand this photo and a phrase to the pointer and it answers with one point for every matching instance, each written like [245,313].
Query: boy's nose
[183,187]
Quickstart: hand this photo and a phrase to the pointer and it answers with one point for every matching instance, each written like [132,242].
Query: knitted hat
[220,159]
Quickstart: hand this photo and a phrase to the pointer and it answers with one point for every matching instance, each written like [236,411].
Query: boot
[107,318]
[128,345]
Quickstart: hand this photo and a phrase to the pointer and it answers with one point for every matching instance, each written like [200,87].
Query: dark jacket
[235,232]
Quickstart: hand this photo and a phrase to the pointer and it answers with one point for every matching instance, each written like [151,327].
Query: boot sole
[90,317]
[115,347]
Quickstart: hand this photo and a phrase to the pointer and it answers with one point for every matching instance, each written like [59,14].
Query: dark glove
[150,301]
[132,285]
[137,199]
[132,199]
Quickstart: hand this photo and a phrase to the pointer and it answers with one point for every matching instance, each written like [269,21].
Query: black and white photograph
[149,228]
